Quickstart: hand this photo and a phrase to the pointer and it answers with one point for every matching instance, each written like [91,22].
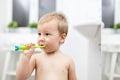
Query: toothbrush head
[42,46]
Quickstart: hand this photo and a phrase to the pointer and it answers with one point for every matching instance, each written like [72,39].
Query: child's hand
[30,51]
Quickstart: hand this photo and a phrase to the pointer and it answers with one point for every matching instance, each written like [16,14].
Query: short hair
[60,19]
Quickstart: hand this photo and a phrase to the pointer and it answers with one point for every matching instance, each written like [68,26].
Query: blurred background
[110,40]
[92,29]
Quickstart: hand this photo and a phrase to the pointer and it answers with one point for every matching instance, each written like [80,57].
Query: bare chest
[52,65]
[54,69]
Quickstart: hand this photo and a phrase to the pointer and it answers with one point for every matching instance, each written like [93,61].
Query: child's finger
[29,45]
[32,44]
[30,51]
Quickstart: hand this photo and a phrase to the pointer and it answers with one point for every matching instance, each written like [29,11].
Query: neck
[53,52]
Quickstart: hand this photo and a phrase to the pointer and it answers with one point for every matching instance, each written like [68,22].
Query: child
[51,64]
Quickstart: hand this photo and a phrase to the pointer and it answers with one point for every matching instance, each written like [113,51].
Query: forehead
[50,25]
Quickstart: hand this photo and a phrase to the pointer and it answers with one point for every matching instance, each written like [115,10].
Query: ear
[62,37]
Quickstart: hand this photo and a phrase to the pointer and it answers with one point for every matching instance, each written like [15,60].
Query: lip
[43,45]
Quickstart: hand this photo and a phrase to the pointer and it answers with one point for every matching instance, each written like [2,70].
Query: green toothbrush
[23,47]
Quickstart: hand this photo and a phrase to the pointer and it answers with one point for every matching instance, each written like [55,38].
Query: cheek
[50,42]
[38,42]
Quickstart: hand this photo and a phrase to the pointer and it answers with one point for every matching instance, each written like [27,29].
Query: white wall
[80,11]
[2,60]
[5,17]
[33,16]
[117,11]
[2,13]
[5,13]
[94,61]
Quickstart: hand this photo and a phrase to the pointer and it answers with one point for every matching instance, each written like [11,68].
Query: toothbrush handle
[23,47]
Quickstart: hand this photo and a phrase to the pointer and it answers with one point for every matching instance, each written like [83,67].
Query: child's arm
[26,65]
[71,71]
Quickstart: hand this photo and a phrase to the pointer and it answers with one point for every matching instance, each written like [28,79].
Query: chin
[49,51]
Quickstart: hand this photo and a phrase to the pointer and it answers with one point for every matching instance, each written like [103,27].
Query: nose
[41,39]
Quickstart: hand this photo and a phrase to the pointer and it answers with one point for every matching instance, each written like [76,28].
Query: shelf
[21,29]
[110,38]
[13,73]
[111,48]
[36,51]
[115,75]
[13,39]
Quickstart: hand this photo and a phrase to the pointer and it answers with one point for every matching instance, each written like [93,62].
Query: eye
[47,34]
[39,34]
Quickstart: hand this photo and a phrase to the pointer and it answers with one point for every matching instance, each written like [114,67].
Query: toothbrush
[23,47]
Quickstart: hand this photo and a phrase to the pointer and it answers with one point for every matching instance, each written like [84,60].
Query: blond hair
[60,19]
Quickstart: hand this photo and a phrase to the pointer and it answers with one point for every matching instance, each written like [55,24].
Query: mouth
[43,45]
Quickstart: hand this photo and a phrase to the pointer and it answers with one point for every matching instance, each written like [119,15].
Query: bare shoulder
[68,58]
